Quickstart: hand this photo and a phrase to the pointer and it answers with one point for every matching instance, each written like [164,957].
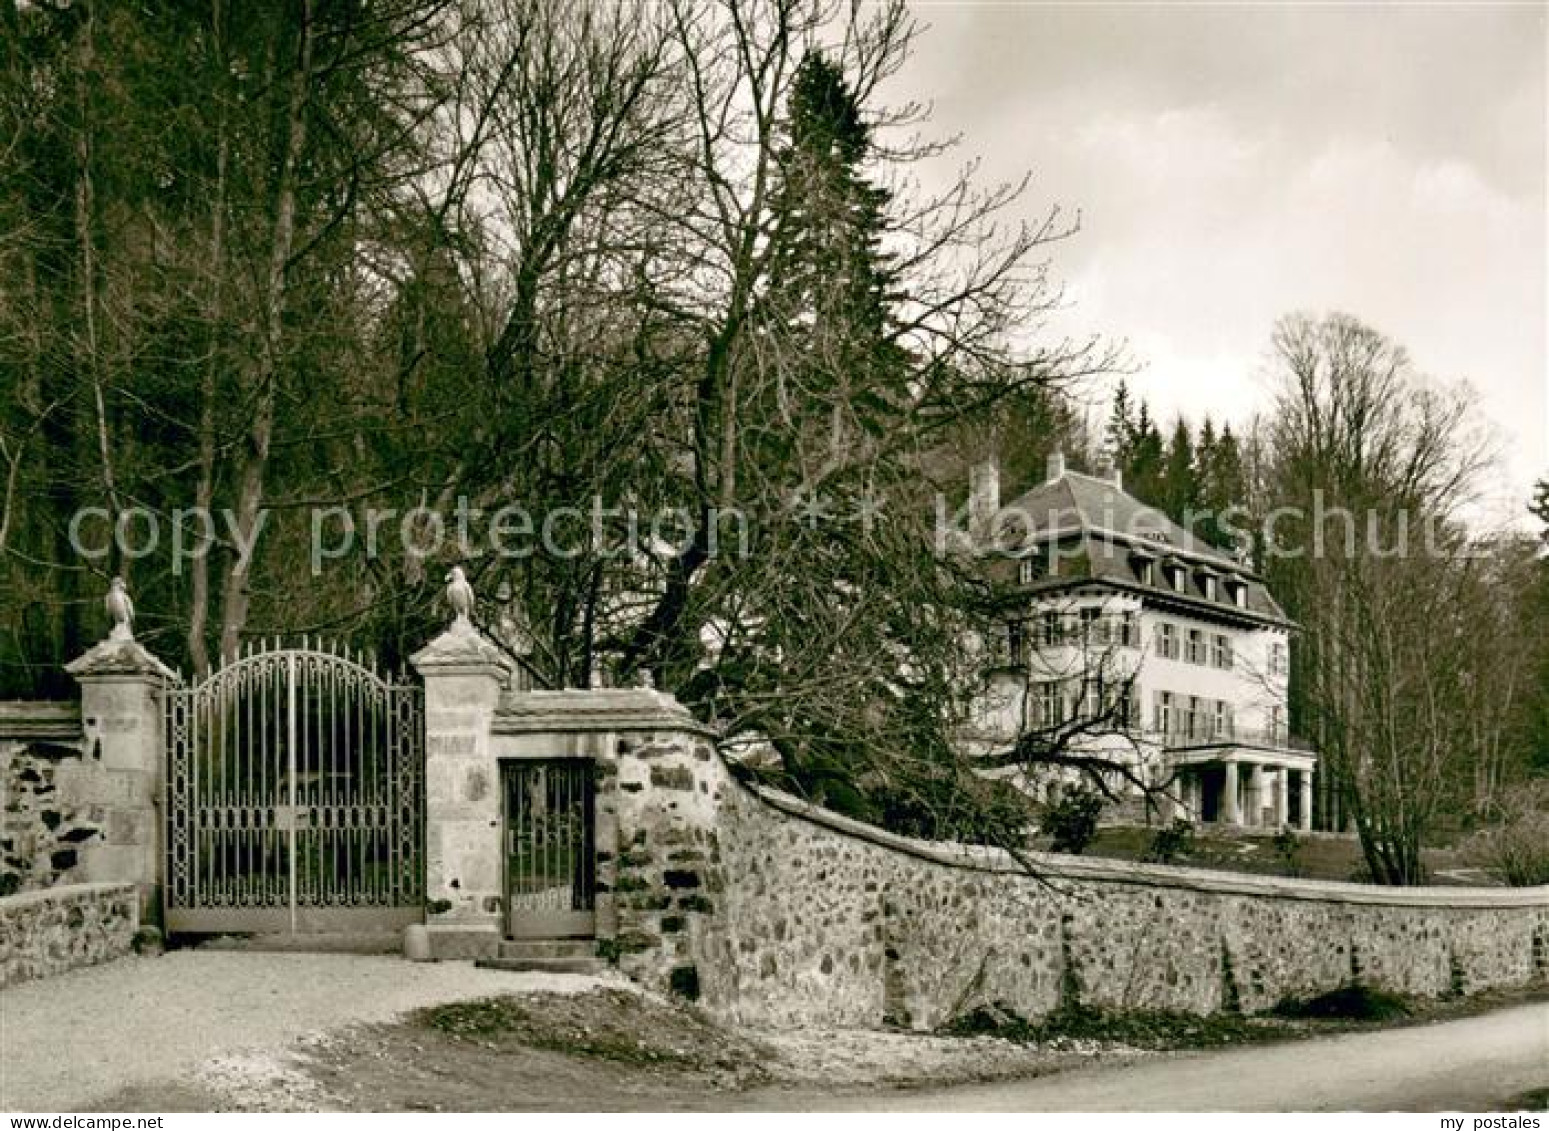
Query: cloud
[1236,164]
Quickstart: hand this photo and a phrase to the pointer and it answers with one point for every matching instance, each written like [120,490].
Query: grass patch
[1157,1030]
[1535,1100]
[1350,1007]
[604,1024]
[1258,853]
[1352,1002]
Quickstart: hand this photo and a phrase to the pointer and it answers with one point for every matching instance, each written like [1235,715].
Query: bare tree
[1366,466]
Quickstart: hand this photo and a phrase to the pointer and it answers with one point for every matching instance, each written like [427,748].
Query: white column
[1231,808]
[1255,813]
[1282,796]
[1180,795]
[1306,813]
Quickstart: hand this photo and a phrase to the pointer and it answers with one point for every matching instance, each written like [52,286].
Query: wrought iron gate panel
[551,885]
[295,787]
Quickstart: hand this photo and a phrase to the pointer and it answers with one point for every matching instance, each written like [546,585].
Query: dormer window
[1207,582]
[1032,568]
[1180,578]
[1237,591]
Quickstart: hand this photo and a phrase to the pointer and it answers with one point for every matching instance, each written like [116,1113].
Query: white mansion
[1175,652]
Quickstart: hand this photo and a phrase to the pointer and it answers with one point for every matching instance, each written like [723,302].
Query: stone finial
[120,654]
[645,680]
[459,594]
[120,609]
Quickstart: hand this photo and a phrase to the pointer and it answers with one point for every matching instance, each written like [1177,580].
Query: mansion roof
[1101,534]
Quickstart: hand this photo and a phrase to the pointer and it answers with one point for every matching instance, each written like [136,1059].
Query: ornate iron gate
[295,790]
[550,864]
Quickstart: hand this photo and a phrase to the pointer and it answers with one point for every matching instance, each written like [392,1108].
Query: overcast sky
[1233,163]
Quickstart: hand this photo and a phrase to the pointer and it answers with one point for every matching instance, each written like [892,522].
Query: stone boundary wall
[50,810]
[27,720]
[776,912]
[48,932]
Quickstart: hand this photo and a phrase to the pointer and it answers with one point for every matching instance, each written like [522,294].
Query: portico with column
[1245,787]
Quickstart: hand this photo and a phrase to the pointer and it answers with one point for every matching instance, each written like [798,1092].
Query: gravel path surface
[1473,1064]
[65,1042]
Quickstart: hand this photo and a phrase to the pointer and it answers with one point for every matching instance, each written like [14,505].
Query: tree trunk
[250,490]
[88,347]
[204,490]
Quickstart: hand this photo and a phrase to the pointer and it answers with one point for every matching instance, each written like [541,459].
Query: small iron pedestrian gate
[295,789]
[550,865]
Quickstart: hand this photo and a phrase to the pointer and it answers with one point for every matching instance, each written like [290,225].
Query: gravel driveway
[69,1041]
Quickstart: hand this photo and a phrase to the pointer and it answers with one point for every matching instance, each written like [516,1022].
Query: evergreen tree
[1143,471]
[1221,483]
[1204,453]
[1180,490]
[829,356]
[1120,436]
[1540,508]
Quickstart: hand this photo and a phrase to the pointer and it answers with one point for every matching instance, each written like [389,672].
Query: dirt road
[1467,1065]
[66,1042]
[196,1031]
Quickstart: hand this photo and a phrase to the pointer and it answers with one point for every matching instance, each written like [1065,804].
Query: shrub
[1072,820]
[1170,843]
[1288,847]
[1146,1029]
[1516,850]
[1353,1001]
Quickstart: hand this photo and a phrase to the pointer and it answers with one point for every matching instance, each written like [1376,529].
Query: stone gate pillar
[121,717]
[464,674]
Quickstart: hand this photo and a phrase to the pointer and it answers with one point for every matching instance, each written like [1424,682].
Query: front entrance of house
[295,797]
[1212,781]
[550,859]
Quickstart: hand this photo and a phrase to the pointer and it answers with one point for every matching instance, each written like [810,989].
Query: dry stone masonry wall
[57,929]
[666,878]
[48,815]
[51,809]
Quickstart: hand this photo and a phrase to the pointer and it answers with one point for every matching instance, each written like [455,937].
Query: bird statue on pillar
[459,594]
[121,610]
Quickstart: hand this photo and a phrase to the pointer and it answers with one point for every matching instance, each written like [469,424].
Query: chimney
[983,497]
[1055,467]
[1108,471]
